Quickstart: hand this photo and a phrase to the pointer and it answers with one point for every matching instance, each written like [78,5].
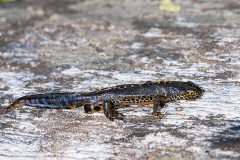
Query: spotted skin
[107,99]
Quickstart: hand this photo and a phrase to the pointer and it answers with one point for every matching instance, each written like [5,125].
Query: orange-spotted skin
[156,93]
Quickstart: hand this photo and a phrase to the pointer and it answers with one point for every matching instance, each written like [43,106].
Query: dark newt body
[107,99]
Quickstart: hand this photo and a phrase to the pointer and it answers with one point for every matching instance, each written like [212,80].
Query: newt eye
[191,93]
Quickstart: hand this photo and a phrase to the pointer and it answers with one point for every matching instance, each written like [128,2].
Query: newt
[108,99]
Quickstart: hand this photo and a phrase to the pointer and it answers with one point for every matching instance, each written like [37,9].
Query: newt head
[185,90]
[193,92]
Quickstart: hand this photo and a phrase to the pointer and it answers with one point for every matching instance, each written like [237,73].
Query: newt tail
[158,94]
[51,100]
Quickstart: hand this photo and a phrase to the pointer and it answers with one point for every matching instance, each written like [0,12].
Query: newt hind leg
[159,101]
[110,111]
[89,108]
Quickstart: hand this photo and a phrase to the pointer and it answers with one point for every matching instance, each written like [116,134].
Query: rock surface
[77,46]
